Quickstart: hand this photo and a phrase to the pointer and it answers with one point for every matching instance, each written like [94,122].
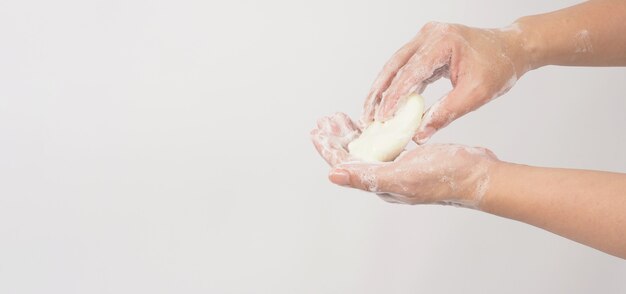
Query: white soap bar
[384,141]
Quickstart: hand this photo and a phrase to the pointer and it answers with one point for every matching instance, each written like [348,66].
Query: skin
[482,64]
[429,174]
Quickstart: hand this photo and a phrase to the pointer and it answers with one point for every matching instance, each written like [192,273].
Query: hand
[482,64]
[437,173]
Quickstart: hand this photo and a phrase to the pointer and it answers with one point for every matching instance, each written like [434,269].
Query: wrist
[478,181]
[528,41]
[503,177]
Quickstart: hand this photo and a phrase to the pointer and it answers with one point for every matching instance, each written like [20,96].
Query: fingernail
[424,135]
[340,177]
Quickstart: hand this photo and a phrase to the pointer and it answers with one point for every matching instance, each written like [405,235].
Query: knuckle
[446,28]
[452,28]
[439,27]
[430,25]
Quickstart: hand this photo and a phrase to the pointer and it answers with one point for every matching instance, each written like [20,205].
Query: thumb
[363,176]
[455,104]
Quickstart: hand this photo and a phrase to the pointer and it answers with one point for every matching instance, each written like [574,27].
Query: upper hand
[482,64]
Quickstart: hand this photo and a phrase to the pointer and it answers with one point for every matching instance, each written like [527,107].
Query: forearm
[585,206]
[592,33]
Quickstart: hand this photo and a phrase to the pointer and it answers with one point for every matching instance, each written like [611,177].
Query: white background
[163,147]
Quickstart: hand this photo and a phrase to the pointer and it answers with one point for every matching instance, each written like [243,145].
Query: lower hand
[429,174]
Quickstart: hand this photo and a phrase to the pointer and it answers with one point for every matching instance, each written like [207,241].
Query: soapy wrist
[498,170]
[516,45]
[479,181]
[529,43]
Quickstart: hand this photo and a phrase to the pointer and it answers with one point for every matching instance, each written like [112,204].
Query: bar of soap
[384,141]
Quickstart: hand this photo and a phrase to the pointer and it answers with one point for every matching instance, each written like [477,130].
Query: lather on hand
[429,174]
[482,64]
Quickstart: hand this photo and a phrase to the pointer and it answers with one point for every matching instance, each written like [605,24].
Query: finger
[347,120]
[389,71]
[323,124]
[320,146]
[342,125]
[330,150]
[426,66]
[461,100]
[332,136]
[363,176]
